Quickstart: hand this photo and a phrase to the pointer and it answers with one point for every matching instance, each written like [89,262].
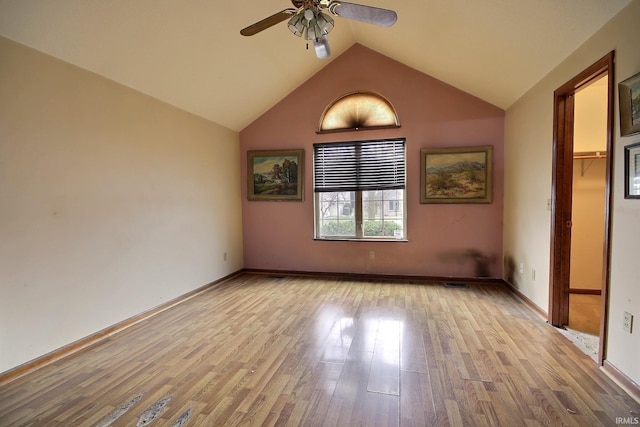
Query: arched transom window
[358,110]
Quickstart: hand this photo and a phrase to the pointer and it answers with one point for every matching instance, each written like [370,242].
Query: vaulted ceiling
[190,53]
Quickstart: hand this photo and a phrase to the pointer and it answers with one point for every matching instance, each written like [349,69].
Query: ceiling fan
[308,19]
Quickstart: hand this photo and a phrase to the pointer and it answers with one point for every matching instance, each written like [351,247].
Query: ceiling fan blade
[369,14]
[268,22]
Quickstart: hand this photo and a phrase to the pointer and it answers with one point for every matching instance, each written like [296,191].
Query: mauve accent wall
[456,240]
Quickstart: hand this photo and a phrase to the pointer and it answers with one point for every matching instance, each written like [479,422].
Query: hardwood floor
[265,350]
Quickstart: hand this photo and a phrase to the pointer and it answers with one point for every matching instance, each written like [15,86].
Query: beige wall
[528,150]
[111,203]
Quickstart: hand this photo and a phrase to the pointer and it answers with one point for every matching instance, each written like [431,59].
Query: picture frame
[275,175]
[456,175]
[632,171]
[629,97]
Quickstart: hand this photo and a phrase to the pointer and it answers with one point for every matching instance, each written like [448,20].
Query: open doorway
[588,213]
[580,202]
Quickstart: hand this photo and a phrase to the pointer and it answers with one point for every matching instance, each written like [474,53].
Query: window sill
[348,239]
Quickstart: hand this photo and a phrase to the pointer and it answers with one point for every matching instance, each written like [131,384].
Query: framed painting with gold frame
[275,175]
[456,175]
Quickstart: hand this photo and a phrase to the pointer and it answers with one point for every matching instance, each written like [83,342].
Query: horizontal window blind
[359,166]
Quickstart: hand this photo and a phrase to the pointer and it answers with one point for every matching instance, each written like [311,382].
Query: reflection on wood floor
[264,350]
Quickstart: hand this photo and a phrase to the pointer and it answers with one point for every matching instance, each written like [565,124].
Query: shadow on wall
[510,270]
[481,262]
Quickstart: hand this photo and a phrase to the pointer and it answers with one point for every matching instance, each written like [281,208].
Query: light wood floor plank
[265,350]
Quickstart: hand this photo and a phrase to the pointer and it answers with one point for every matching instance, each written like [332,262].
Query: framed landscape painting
[456,175]
[629,96]
[275,175]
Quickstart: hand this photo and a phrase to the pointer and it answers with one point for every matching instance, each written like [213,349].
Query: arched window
[358,110]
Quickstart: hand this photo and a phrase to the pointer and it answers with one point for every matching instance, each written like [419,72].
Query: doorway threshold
[587,343]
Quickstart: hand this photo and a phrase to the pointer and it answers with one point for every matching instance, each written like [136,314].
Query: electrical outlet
[521,268]
[627,323]
[224,256]
[372,254]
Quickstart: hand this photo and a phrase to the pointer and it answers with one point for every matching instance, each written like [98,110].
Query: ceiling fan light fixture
[313,32]
[307,20]
[309,14]
[319,26]
[311,24]
[325,22]
[297,24]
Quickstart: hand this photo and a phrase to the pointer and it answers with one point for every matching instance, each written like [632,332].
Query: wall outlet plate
[627,323]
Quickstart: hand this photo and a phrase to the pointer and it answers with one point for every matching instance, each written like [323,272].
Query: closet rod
[590,155]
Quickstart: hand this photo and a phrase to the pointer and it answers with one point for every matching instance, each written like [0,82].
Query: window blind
[359,166]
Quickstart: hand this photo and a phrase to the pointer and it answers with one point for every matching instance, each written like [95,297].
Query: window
[359,190]
[358,110]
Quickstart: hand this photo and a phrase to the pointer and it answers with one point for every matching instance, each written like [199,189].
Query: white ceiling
[189,53]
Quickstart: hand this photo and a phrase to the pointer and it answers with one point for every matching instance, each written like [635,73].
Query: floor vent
[455,285]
